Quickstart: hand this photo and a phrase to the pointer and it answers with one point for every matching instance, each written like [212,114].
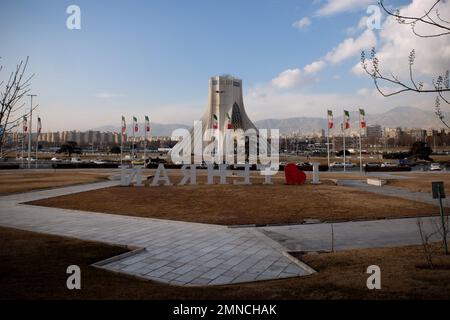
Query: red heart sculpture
[294,176]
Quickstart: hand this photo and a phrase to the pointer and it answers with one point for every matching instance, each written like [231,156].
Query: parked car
[372,165]
[435,167]
[99,161]
[337,165]
[348,165]
[138,162]
[55,159]
[75,160]
[202,165]
[388,165]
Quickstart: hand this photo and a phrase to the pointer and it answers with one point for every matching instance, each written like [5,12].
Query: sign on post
[438,190]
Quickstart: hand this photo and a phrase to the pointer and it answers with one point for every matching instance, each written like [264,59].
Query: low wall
[376,182]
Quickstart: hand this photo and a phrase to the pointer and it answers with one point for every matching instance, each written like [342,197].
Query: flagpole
[343,137]
[23,137]
[121,141]
[37,141]
[132,145]
[328,145]
[360,150]
[145,142]
[30,129]
[121,148]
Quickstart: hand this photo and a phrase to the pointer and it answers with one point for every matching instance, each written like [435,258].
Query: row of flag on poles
[25,125]
[135,125]
[216,122]
[346,123]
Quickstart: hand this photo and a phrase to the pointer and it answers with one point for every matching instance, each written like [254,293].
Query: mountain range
[405,117]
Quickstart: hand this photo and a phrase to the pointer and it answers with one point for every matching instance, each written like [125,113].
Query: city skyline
[417,119]
[158,58]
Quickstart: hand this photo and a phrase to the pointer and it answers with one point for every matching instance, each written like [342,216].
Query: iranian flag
[346,119]
[147,124]
[330,119]
[39,125]
[25,124]
[230,125]
[362,118]
[216,122]
[124,125]
[135,124]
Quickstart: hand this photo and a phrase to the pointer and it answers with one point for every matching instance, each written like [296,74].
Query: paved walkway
[183,253]
[174,252]
[351,235]
[359,234]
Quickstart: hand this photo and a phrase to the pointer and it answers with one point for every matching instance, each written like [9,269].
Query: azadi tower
[225,112]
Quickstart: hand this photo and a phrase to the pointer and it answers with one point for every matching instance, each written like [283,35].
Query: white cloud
[107,95]
[397,41]
[348,48]
[394,44]
[351,47]
[303,23]
[332,7]
[361,25]
[288,79]
[315,67]
[363,92]
[263,103]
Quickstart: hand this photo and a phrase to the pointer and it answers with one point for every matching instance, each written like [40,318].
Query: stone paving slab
[178,253]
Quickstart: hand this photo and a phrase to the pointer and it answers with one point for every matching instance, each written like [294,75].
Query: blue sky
[155,57]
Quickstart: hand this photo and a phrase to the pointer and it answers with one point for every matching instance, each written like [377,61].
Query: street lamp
[30,129]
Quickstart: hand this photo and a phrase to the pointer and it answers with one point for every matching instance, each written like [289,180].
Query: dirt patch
[27,181]
[234,205]
[33,266]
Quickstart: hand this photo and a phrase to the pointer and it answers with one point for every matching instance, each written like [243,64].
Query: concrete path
[174,252]
[351,235]
[182,253]
[394,192]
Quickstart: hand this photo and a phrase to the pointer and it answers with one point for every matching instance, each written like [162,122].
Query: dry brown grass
[232,205]
[33,266]
[14,182]
[420,182]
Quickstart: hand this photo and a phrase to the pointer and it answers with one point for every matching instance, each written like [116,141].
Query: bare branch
[425,19]
[440,18]
[11,95]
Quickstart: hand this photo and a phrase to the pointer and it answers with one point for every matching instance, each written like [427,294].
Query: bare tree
[11,94]
[436,230]
[440,26]
[427,249]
